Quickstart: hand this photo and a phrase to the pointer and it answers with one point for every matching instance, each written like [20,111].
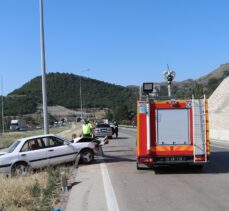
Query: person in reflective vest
[87,128]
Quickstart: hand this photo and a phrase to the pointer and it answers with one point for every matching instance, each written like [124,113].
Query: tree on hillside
[120,112]
[213,83]
[63,89]
[109,115]
[198,90]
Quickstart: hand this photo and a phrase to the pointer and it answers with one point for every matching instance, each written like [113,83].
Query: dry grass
[77,131]
[16,192]
[30,192]
[7,138]
[100,113]
[39,191]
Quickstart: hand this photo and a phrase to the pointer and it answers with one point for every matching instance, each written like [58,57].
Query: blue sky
[124,42]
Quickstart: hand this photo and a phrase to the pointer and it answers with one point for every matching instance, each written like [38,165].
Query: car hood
[3,152]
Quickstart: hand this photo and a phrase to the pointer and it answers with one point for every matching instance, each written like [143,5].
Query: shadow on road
[120,150]
[120,138]
[218,165]
[118,146]
[118,158]
[73,184]
[218,162]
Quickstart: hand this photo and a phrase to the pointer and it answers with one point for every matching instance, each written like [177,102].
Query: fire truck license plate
[174,159]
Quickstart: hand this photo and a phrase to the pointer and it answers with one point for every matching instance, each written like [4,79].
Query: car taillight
[146,160]
[199,158]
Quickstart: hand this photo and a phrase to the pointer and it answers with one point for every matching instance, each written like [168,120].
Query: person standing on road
[116,129]
[87,128]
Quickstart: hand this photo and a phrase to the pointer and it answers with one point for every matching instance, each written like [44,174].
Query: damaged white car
[44,150]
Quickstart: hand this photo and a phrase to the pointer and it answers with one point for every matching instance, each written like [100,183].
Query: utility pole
[81,100]
[81,103]
[3,130]
[44,90]
[140,93]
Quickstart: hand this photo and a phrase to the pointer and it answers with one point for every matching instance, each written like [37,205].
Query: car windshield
[103,125]
[13,146]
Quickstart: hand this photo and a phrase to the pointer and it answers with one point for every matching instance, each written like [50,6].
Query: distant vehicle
[105,121]
[58,124]
[102,130]
[18,124]
[44,150]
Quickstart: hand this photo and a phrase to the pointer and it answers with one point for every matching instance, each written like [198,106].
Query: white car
[41,151]
[102,130]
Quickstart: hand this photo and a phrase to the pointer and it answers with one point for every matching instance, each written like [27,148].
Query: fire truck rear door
[173,126]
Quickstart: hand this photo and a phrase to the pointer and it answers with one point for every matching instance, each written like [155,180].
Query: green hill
[64,89]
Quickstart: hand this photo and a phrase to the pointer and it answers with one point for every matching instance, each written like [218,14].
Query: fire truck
[171,131]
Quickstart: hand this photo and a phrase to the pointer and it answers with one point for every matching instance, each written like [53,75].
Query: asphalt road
[164,188]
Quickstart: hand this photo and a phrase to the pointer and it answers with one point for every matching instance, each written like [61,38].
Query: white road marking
[112,204]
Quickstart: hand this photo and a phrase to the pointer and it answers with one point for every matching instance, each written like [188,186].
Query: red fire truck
[172,132]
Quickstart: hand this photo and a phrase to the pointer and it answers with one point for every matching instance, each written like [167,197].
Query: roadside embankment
[219,112]
[75,128]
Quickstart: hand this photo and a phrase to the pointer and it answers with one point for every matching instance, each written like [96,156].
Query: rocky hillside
[218,111]
[204,85]
[220,72]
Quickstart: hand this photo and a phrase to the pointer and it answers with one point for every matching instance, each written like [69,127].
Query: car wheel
[20,169]
[87,156]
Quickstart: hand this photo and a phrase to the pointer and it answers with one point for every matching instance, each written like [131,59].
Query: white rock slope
[219,112]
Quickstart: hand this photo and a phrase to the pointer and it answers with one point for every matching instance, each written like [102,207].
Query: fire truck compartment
[173,126]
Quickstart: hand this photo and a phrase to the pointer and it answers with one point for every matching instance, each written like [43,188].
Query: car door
[59,151]
[34,152]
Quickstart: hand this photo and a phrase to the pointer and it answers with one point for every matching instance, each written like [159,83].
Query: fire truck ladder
[199,130]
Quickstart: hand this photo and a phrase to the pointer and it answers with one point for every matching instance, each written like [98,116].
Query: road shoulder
[87,192]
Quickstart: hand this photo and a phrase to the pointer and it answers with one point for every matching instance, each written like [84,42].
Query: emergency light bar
[147,87]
